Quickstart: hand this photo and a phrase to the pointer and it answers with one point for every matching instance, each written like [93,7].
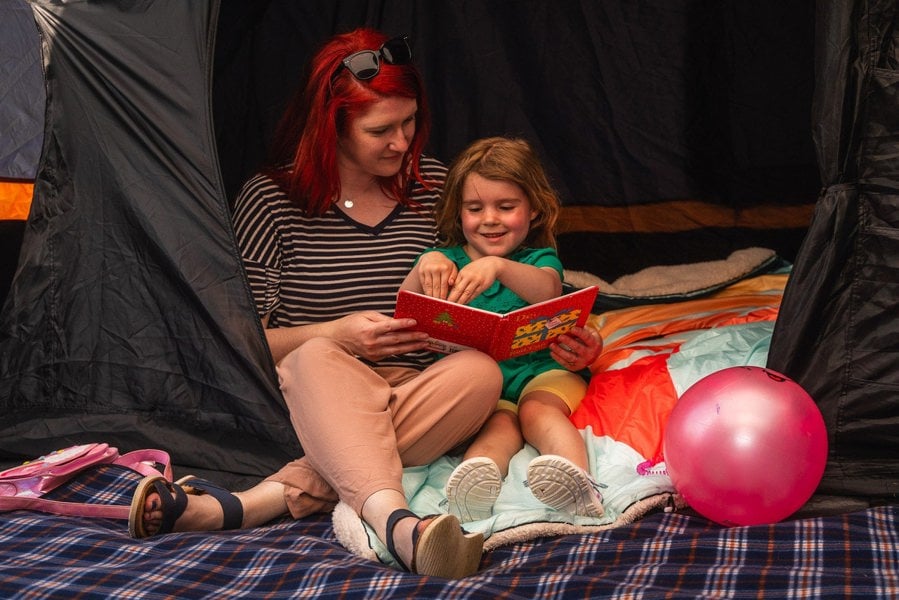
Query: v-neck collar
[370,229]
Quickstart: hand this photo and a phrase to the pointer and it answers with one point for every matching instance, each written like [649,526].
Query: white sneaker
[472,489]
[562,485]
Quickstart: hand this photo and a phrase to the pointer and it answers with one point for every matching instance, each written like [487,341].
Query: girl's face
[377,140]
[496,216]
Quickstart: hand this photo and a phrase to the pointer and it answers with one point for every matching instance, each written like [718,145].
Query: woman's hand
[374,336]
[577,349]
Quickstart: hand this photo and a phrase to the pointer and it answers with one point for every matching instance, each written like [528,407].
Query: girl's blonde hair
[502,159]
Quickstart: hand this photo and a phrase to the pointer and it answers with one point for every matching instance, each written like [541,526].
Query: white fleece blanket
[669,280]
[518,516]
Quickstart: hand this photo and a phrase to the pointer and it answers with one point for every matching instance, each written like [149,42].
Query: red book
[455,327]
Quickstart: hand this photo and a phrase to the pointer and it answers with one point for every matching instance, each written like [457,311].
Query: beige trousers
[359,426]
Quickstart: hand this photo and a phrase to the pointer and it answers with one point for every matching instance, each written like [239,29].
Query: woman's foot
[472,489]
[190,504]
[439,545]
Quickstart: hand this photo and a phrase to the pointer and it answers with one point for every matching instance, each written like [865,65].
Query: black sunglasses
[365,64]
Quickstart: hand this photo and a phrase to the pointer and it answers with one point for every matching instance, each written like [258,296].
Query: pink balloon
[745,446]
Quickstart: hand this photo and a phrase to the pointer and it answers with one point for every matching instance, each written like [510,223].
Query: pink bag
[22,487]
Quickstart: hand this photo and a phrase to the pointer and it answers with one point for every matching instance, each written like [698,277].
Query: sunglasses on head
[365,64]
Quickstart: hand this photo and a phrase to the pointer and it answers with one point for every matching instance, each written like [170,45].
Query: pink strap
[72,509]
[145,461]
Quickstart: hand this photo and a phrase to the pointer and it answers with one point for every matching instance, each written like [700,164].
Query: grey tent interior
[129,319]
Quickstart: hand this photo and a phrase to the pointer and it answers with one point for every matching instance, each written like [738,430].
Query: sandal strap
[232,509]
[396,516]
[172,508]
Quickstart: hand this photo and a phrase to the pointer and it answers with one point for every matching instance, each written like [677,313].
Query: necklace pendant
[348,204]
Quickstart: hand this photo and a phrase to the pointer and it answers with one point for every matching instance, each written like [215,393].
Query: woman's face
[496,216]
[377,140]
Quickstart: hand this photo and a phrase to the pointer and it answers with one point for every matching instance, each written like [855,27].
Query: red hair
[304,150]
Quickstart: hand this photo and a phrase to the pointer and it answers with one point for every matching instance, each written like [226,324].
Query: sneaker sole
[561,485]
[472,489]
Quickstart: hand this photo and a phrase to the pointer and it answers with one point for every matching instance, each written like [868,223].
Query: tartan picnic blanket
[664,555]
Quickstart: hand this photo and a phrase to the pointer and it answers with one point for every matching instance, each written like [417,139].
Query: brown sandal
[173,501]
[442,549]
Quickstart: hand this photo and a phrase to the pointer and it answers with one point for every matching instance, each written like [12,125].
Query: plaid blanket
[665,555]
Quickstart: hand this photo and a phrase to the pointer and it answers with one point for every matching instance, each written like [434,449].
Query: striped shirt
[306,269]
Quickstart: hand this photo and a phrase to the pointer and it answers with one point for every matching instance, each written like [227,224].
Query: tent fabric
[672,105]
[675,106]
[21,94]
[15,199]
[130,320]
[836,331]
[628,102]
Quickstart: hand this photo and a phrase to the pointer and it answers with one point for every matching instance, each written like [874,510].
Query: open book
[455,327]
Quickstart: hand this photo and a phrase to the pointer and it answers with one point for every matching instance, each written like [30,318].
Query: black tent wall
[628,102]
[21,120]
[22,95]
[130,320]
[836,331]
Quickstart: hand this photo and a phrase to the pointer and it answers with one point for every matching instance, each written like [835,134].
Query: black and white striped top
[305,269]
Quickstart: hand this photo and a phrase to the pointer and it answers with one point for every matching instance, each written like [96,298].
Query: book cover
[454,327]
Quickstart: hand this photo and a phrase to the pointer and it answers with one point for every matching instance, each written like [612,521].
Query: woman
[327,234]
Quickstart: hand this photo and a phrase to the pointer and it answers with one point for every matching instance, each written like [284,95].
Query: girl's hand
[374,336]
[474,278]
[577,349]
[436,274]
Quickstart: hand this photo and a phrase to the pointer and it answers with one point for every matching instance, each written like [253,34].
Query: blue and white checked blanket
[663,555]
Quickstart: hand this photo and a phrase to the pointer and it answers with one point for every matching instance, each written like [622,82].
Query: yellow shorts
[568,386]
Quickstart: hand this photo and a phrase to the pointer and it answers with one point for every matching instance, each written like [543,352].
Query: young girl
[496,220]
